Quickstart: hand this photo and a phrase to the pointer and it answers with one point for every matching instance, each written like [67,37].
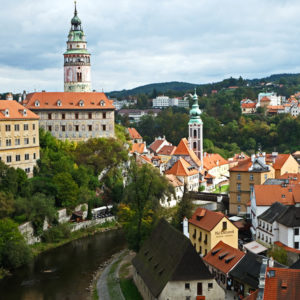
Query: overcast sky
[136,42]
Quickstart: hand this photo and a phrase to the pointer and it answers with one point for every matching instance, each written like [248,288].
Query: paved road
[102,287]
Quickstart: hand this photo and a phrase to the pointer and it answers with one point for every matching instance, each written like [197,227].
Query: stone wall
[27,231]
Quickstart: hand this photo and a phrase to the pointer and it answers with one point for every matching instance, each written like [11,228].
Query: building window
[296,231]
[251,177]
[26,141]
[238,186]
[296,245]
[205,241]
[239,209]
[63,127]
[26,156]
[49,116]
[63,116]
[25,126]
[266,176]
[34,155]
[104,115]
[239,197]
[34,140]
[17,142]
[76,127]
[90,115]
[18,157]
[27,170]
[7,127]
[8,159]
[33,126]
[104,127]
[76,116]
[224,225]
[238,177]
[210,285]
[8,142]
[17,127]
[205,252]
[251,188]
[186,286]
[90,127]
[200,250]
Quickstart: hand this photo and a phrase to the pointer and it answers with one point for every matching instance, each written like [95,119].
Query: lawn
[223,189]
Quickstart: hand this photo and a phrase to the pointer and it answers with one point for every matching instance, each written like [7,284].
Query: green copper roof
[75,20]
[77,51]
[195,112]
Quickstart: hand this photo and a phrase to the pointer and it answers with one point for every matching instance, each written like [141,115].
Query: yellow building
[207,228]
[19,144]
[243,177]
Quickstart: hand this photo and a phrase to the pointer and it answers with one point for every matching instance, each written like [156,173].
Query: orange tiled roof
[174,180]
[182,168]
[138,147]
[289,249]
[183,149]
[147,159]
[243,166]
[282,284]
[49,100]
[223,257]
[248,105]
[265,99]
[133,133]
[266,195]
[208,221]
[280,160]
[213,160]
[167,150]
[252,296]
[275,107]
[156,144]
[15,111]
[294,178]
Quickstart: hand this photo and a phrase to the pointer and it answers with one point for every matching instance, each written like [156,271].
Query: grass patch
[124,271]
[95,294]
[222,189]
[129,289]
[42,247]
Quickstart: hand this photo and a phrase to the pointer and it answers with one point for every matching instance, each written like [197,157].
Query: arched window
[81,103]
[195,133]
[195,145]
[24,112]
[59,103]
[37,103]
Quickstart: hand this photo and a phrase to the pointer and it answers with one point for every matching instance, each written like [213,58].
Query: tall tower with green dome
[196,129]
[77,63]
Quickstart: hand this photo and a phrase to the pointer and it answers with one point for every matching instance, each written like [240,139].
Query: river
[69,270]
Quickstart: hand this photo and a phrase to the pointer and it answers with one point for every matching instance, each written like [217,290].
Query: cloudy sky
[136,42]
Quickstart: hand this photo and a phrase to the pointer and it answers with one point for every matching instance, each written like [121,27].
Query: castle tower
[196,129]
[77,65]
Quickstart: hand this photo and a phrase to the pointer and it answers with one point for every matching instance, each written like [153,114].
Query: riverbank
[42,247]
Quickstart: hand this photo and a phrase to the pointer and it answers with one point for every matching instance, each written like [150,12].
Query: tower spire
[75,12]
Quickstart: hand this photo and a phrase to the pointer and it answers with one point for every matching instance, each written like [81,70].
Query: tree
[141,199]
[185,209]
[14,251]
[6,205]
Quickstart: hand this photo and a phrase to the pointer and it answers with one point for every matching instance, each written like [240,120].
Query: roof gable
[133,133]
[206,219]
[184,150]
[182,168]
[274,212]
[10,109]
[164,256]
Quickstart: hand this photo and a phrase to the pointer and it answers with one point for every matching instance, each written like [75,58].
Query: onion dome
[195,112]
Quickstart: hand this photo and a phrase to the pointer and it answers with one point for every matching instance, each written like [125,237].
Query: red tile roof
[265,99]
[294,178]
[286,248]
[212,160]
[283,284]
[49,100]
[223,257]
[248,105]
[266,195]
[243,166]
[184,150]
[16,111]
[277,161]
[167,150]
[156,144]
[209,219]
[182,168]
[275,107]
[174,180]
[133,133]
[138,147]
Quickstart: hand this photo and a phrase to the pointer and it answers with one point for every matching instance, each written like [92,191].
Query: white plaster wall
[286,235]
[175,290]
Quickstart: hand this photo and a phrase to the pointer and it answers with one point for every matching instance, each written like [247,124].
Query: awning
[255,247]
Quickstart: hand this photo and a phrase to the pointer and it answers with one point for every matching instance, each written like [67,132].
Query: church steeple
[77,66]
[196,129]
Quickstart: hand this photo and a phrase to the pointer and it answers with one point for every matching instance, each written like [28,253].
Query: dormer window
[102,103]
[59,103]
[81,103]
[37,103]
[24,112]
[6,113]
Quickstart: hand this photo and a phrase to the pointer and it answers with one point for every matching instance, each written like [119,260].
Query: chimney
[252,157]
[185,224]
[271,262]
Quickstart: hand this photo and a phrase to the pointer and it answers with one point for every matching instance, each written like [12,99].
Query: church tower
[196,129]
[77,64]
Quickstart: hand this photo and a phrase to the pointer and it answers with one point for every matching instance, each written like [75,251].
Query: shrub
[57,233]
